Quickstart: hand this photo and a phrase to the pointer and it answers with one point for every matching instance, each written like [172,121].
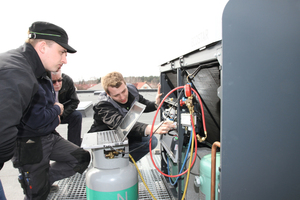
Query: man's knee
[77,115]
[83,157]
[154,142]
[74,118]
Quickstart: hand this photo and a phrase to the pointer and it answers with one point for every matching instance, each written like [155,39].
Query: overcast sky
[133,37]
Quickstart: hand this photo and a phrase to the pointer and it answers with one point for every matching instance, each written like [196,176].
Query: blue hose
[185,159]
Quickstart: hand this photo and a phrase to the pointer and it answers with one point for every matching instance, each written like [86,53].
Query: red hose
[194,132]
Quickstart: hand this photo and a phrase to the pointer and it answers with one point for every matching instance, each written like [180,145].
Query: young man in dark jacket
[114,104]
[65,93]
[29,114]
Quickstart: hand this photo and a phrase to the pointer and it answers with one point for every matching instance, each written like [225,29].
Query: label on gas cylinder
[127,194]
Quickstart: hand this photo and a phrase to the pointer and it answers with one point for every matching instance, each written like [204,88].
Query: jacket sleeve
[17,86]
[41,115]
[106,113]
[69,94]
[150,105]
[138,130]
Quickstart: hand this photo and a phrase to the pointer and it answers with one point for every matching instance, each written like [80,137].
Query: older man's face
[57,81]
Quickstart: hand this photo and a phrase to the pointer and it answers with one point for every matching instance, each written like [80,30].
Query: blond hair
[113,79]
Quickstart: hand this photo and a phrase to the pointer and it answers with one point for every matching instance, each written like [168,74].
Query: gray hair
[57,72]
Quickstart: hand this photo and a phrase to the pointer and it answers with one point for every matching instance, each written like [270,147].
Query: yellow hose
[188,173]
[189,168]
[142,177]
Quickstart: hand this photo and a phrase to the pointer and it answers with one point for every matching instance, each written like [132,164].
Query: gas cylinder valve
[112,154]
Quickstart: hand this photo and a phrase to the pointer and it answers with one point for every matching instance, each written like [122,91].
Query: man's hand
[61,107]
[158,95]
[165,127]
[59,120]
[161,128]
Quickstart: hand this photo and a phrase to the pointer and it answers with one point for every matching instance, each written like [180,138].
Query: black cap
[48,31]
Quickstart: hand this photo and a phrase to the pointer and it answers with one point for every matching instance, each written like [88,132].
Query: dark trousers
[74,121]
[38,177]
[2,195]
[139,149]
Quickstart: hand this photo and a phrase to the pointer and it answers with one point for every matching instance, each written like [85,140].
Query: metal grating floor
[74,187]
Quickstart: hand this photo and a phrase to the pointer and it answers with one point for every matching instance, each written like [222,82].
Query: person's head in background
[115,86]
[51,44]
[56,80]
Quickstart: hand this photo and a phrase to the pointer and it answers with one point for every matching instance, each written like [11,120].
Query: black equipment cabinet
[200,67]
[249,82]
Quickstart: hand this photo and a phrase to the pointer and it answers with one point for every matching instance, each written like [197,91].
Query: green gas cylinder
[205,176]
[114,178]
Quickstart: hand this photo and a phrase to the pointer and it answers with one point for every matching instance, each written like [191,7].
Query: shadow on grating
[74,187]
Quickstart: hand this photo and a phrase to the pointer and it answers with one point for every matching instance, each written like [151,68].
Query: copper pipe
[213,169]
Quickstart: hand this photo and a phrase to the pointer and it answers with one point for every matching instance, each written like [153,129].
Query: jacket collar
[34,60]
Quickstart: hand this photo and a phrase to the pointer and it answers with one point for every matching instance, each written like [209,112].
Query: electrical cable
[190,78]
[200,67]
[173,135]
[164,158]
[195,174]
[176,102]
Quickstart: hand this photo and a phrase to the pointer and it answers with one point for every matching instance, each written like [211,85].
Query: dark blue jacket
[41,118]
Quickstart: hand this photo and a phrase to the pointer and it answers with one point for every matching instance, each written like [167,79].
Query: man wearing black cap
[29,114]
